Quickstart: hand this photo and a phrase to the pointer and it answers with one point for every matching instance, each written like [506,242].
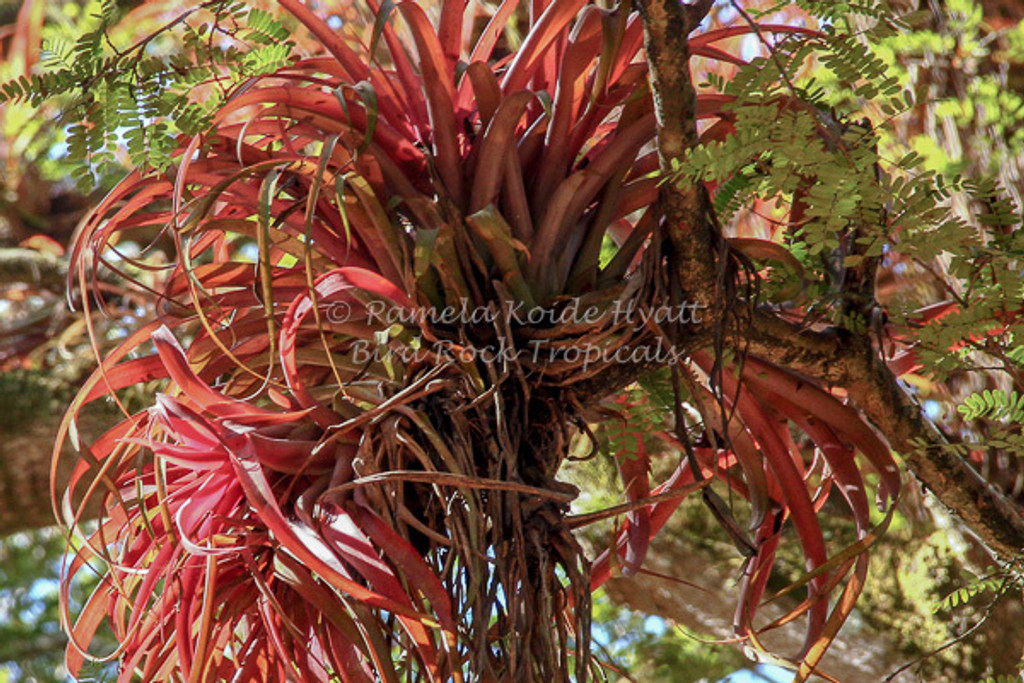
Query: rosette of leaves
[387,317]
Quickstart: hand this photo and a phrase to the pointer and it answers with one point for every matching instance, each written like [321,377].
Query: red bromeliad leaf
[819,404]
[832,427]
[634,468]
[286,509]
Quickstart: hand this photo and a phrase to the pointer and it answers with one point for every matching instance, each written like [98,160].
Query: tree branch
[692,238]
[838,357]
[835,356]
[32,267]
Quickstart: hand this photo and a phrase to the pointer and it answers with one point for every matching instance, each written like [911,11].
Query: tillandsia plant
[409,272]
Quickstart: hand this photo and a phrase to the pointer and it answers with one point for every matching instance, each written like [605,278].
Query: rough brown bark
[836,355]
[692,241]
[27,434]
[840,358]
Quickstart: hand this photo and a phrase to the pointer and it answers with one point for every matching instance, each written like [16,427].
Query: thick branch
[996,520]
[838,357]
[834,356]
[690,235]
[32,267]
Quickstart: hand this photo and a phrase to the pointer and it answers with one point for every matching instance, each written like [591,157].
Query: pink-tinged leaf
[366,281]
[557,155]
[756,574]
[714,35]
[498,144]
[515,203]
[717,132]
[188,583]
[272,636]
[298,540]
[839,458]
[636,196]
[199,513]
[541,272]
[905,363]
[581,259]
[634,471]
[711,104]
[97,459]
[303,102]
[126,374]
[27,39]
[411,93]
[681,481]
[346,538]
[438,81]
[770,379]
[629,47]
[710,52]
[549,26]
[316,658]
[628,255]
[183,456]
[449,29]
[934,312]
[505,251]
[403,555]
[349,542]
[354,64]
[98,384]
[844,607]
[531,143]
[489,36]
[574,194]
[481,85]
[293,456]
[760,491]
[614,25]
[343,633]
[794,491]
[197,390]
[335,286]
[351,667]
[386,243]
[89,620]
[130,195]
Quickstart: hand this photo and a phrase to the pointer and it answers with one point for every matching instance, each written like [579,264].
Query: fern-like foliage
[798,142]
[991,582]
[140,98]
[994,405]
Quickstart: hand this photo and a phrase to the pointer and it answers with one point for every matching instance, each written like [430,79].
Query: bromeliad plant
[398,293]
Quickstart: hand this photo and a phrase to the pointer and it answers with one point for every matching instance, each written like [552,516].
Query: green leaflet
[127,95]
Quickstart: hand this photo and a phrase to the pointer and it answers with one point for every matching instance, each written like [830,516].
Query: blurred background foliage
[932,605]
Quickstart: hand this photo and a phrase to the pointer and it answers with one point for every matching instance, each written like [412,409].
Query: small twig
[771,48]
[417,389]
[953,641]
[672,579]
[450,479]
[576,521]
